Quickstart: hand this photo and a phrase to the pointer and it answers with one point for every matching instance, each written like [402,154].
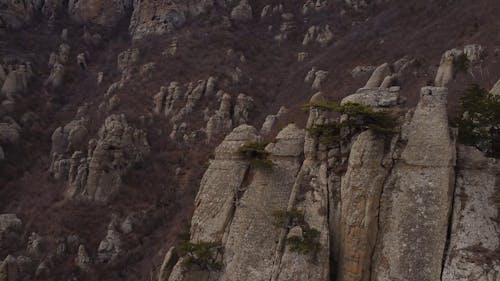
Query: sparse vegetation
[257,155]
[202,254]
[288,219]
[359,117]
[307,245]
[479,123]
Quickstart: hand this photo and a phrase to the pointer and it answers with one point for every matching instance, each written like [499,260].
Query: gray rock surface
[475,235]
[219,186]
[119,146]
[360,192]
[374,97]
[417,197]
[378,76]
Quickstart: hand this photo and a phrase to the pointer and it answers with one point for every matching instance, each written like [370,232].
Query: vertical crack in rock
[415,214]
[449,231]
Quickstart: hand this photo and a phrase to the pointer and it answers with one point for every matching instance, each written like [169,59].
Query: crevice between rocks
[389,170]
[450,225]
[284,232]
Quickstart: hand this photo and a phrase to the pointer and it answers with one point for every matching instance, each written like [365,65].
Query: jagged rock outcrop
[417,197]
[98,177]
[475,235]
[159,17]
[250,248]
[221,121]
[10,228]
[271,121]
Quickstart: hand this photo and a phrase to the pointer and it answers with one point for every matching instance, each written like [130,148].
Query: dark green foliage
[254,150]
[461,63]
[203,254]
[256,153]
[307,245]
[479,124]
[288,219]
[359,117]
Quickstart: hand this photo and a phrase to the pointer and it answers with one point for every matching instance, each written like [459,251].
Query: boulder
[378,76]
[374,97]
[242,12]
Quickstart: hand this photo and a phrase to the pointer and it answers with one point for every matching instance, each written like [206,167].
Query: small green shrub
[288,219]
[479,123]
[257,155]
[359,117]
[461,63]
[203,254]
[307,245]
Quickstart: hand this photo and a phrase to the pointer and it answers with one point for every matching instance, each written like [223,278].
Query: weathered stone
[82,259]
[360,193]
[271,120]
[10,226]
[475,235]
[219,186]
[242,12]
[362,71]
[474,52]
[16,81]
[154,17]
[242,109]
[496,88]
[35,245]
[319,77]
[56,76]
[378,76]
[221,121]
[445,71]
[167,265]
[251,242]
[416,202]
[118,148]
[373,97]
[110,248]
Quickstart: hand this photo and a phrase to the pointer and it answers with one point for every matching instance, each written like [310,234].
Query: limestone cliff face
[402,210]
